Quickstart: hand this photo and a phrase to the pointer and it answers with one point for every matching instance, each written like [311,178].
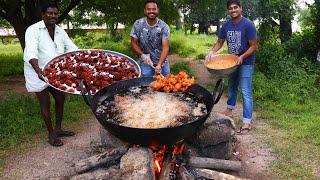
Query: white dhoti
[33,83]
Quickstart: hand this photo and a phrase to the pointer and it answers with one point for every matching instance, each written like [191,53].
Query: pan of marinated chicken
[98,68]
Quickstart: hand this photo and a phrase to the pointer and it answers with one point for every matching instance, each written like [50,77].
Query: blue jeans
[147,70]
[242,75]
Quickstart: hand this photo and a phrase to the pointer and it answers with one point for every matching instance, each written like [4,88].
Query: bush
[178,46]
[301,45]
[104,41]
[182,66]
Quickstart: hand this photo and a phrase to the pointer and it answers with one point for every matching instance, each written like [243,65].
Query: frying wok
[145,136]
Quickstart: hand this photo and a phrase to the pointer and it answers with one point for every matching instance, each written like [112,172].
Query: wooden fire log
[210,174]
[184,174]
[165,170]
[109,157]
[210,163]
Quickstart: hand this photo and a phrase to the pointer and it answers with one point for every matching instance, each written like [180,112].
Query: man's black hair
[151,1]
[45,6]
[237,2]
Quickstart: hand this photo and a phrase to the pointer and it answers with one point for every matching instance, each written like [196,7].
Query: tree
[112,12]
[22,13]
[202,12]
[4,23]
[315,14]
[271,10]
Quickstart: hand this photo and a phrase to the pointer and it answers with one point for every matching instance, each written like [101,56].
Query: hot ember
[164,160]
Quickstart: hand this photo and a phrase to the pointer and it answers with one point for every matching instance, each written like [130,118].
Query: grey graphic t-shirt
[150,37]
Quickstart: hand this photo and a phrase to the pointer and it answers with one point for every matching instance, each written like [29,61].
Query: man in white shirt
[44,41]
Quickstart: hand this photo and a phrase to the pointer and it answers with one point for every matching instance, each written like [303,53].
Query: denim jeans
[242,75]
[147,70]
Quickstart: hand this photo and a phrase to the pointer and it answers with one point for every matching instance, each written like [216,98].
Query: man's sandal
[243,130]
[62,133]
[55,142]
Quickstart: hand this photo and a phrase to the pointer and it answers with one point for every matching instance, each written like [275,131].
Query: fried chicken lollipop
[172,83]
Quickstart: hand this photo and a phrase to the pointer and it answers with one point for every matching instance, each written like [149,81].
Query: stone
[215,138]
[137,164]
[219,151]
[108,140]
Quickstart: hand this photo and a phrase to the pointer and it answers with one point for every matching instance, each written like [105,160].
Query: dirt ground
[43,161]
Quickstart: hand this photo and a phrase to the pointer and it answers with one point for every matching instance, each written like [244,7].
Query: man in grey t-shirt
[150,40]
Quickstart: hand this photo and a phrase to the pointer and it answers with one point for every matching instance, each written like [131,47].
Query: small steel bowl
[226,71]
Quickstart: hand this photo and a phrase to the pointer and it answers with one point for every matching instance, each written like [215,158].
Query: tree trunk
[218,27]
[285,28]
[21,14]
[19,27]
[203,28]
[192,28]
[317,24]
[178,23]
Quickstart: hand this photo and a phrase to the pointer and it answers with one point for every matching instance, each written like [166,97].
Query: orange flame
[158,156]
[157,166]
[159,152]
[178,149]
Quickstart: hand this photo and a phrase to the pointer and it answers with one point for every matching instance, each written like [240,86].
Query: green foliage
[202,11]
[283,11]
[301,45]
[20,117]
[4,23]
[182,66]
[112,12]
[305,18]
[286,91]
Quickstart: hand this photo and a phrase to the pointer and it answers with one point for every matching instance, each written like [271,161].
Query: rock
[215,137]
[220,151]
[137,164]
[217,129]
[108,140]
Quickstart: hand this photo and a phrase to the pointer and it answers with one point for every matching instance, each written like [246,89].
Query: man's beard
[152,18]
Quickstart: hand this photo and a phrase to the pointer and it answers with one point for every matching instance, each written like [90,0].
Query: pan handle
[87,98]
[219,88]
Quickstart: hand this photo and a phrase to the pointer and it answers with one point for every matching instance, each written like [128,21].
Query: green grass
[182,66]
[20,118]
[294,137]
[11,60]
[196,46]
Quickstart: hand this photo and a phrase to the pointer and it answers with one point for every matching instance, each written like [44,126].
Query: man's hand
[41,75]
[158,69]
[209,56]
[240,60]
[146,59]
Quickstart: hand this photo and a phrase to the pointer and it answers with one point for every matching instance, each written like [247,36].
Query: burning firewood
[108,157]
[210,174]
[184,174]
[210,163]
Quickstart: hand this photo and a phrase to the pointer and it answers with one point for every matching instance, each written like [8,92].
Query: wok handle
[87,98]
[219,88]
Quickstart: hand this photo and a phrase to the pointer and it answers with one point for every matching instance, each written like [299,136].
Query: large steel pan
[146,136]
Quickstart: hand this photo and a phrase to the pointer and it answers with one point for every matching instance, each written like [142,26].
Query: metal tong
[155,73]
